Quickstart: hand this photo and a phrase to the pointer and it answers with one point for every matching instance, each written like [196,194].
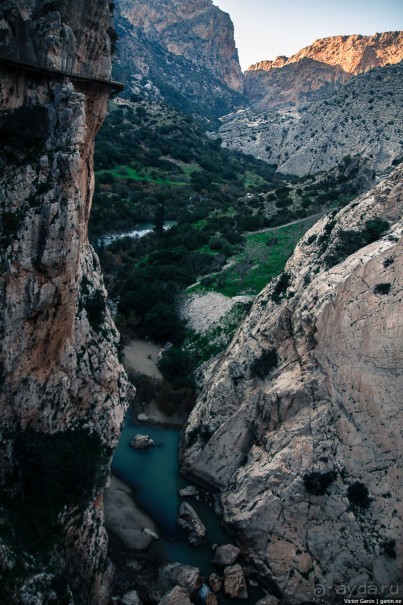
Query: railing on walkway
[86,74]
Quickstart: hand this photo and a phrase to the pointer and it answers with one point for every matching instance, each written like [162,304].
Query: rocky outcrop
[185,576]
[176,596]
[189,520]
[363,119]
[183,52]
[63,388]
[320,69]
[215,582]
[226,554]
[234,582]
[299,425]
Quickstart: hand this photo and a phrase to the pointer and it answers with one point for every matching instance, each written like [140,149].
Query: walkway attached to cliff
[82,77]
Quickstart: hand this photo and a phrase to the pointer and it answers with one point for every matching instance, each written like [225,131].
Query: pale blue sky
[265,29]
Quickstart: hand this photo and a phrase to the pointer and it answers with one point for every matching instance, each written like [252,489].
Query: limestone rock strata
[299,426]
[362,119]
[319,69]
[61,380]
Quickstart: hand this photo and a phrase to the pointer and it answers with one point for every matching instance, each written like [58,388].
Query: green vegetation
[316,483]
[358,495]
[349,241]
[204,346]
[53,474]
[382,289]
[262,258]
[148,155]
[263,365]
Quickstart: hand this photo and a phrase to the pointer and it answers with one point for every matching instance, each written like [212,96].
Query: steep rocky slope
[298,425]
[319,69]
[62,386]
[181,51]
[363,118]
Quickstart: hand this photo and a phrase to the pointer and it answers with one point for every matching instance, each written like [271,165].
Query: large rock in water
[225,554]
[299,426]
[141,442]
[125,519]
[189,520]
[185,576]
[234,582]
[176,596]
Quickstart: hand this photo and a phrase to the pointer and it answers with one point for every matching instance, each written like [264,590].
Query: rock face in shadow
[299,425]
[183,52]
[62,385]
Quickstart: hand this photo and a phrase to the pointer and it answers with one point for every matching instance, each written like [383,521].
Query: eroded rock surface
[225,555]
[176,596]
[62,382]
[299,426]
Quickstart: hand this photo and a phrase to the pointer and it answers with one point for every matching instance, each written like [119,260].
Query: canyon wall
[362,118]
[298,425]
[183,52]
[62,385]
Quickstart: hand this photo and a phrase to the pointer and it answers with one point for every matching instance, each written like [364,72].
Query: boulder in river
[211,599]
[234,582]
[215,582]
[189,520]
[176,596]
[225,555]
[141,442]
[188,492]
[185,576]
[131,598]
[125,519]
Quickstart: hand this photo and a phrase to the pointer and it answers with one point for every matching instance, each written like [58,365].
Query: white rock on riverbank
[125,519]
[201,311]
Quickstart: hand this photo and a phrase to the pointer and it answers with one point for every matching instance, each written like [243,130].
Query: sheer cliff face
[195,30]
[61,380]
[182,52]
[299,426]
[319,69]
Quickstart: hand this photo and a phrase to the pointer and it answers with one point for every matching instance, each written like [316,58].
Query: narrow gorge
[236,436]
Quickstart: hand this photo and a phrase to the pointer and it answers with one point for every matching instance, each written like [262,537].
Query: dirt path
[300,220]
[141,356]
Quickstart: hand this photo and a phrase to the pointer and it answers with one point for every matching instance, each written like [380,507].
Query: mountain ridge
[333,60]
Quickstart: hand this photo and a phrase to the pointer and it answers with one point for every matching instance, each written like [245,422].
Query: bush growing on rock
[358,495]
[382,289]
[316,483]
[263,365]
